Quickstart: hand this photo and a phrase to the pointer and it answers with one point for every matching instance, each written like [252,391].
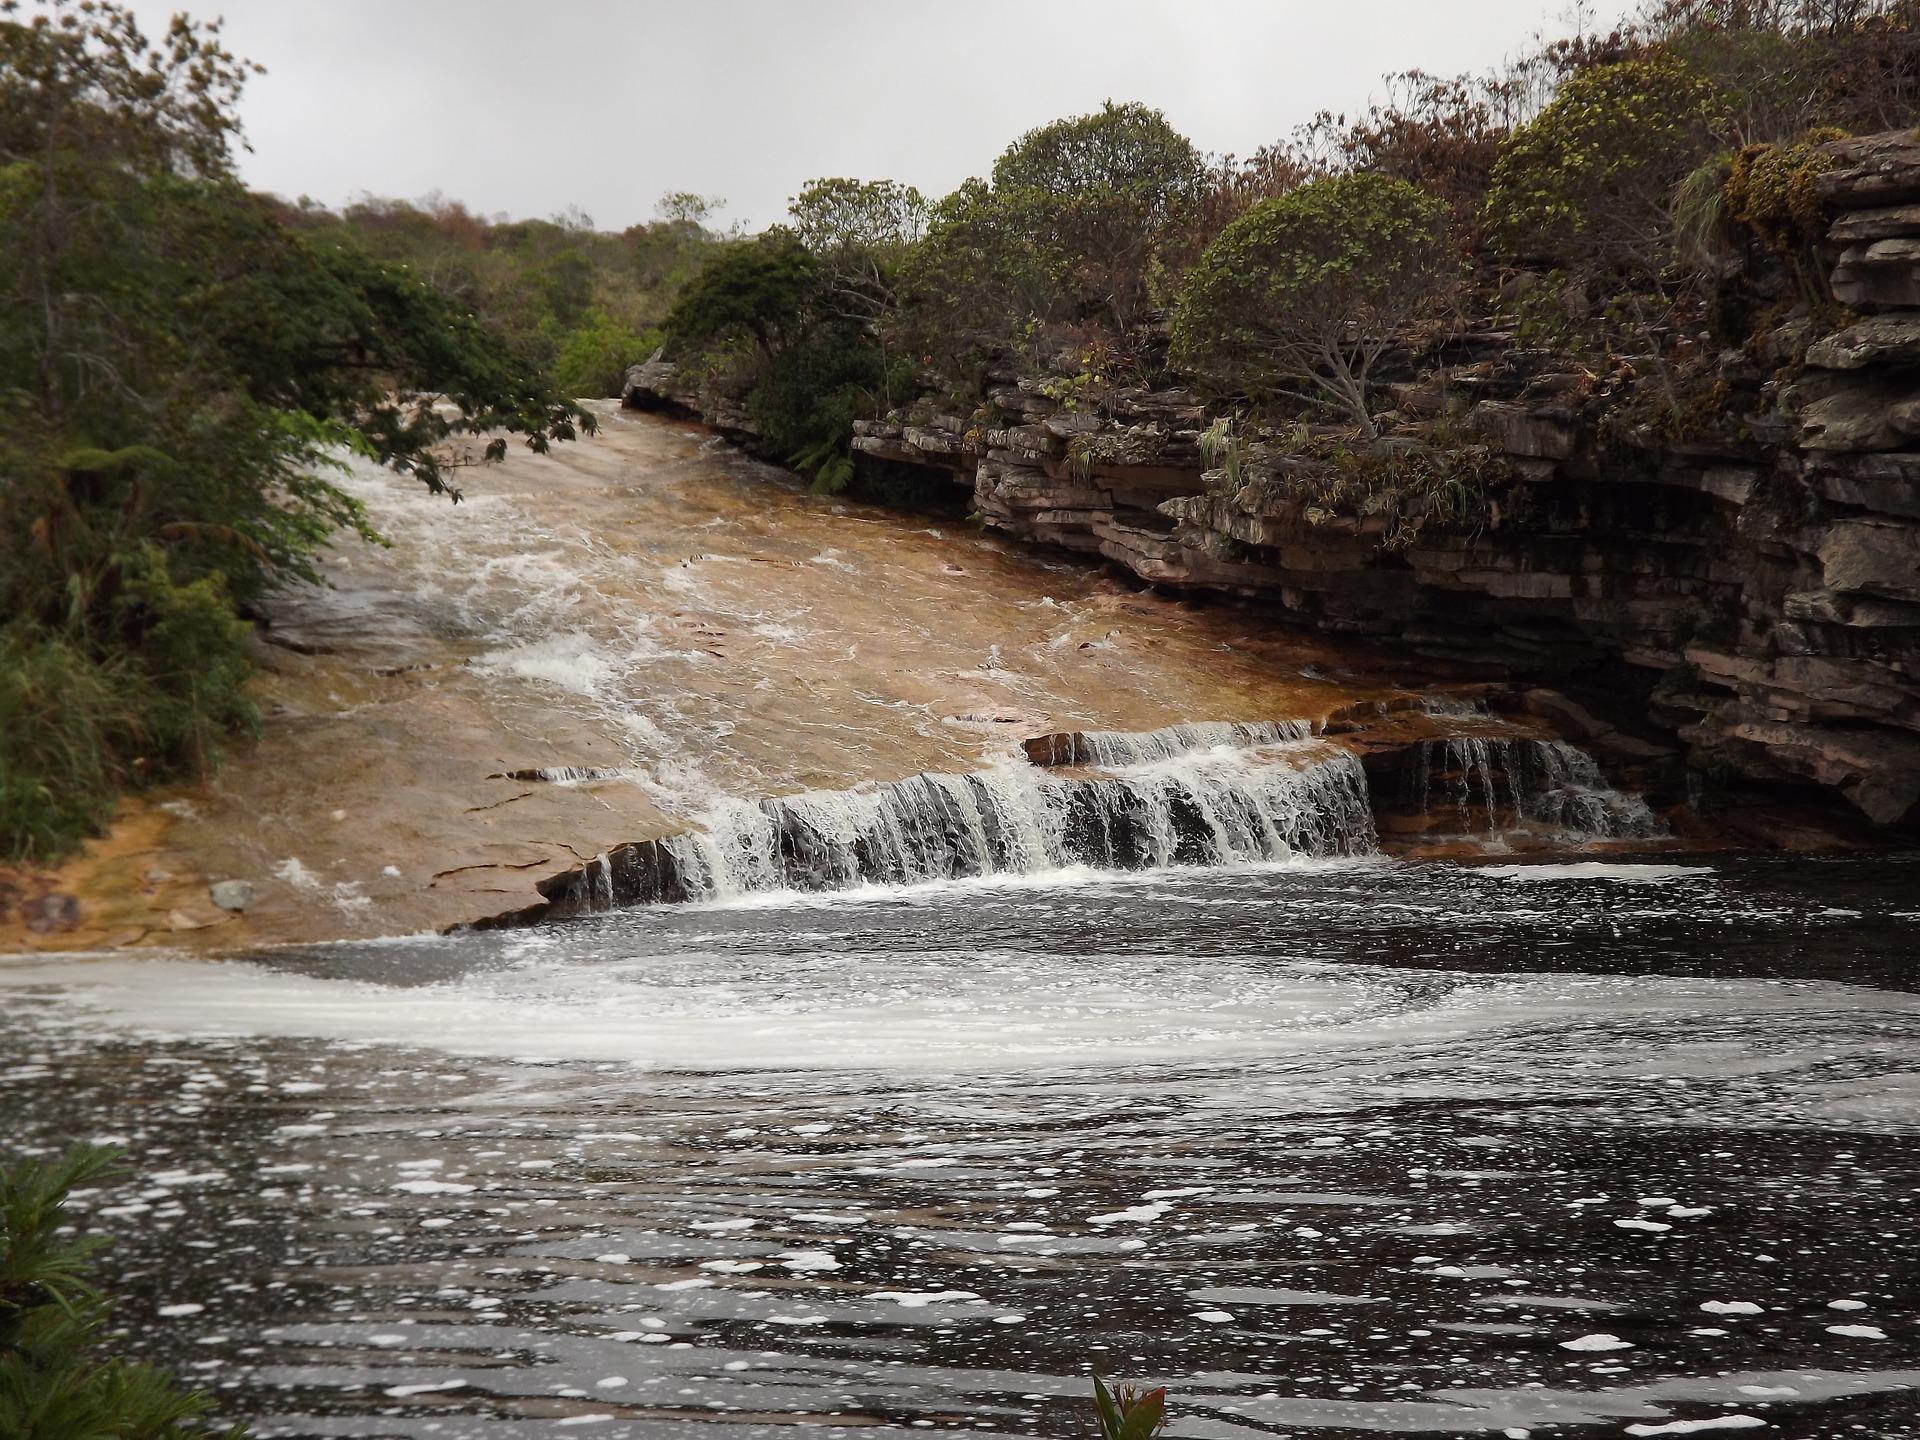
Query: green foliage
[1302,295]
[1589,180]
[830,467]
[1107,189]
[809,394]
[54,1383]
[838,216]
[1438,132]
[1223,448]
[986,275]
[763,288]
[1702,227]
[66,722]
[537,282]
[181,369]
[594,359]
[1129,1415]
[1397,492]
[143,685]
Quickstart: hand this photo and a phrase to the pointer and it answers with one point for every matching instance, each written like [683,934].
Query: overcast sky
[530,106]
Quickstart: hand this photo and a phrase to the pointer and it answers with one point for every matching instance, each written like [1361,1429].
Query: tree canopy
[1590,180]
[1100,193]
[1304,293]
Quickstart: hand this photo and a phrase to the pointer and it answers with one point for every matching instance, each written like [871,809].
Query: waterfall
[1220,805]
[1202,795]
[1528,784]
[1111,748]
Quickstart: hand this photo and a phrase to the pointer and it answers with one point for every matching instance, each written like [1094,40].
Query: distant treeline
[583,302]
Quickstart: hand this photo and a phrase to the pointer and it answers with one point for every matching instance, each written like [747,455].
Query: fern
[830,467]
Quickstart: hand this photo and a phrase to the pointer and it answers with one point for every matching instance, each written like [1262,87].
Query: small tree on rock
[1302,295]
[1109,186]
[1589,183]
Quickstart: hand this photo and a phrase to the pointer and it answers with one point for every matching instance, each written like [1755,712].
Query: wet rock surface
[601,645]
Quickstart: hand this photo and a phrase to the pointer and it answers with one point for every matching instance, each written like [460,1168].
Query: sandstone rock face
[1752,593]
[1877,340]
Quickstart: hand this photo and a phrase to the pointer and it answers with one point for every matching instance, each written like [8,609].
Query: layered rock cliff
[1740,571]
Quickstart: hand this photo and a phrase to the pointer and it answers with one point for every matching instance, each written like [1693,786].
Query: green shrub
[1108,188]
[54,1383]
[66,726]
[810,393]
[1590,179]
[594,358]
[1775,192]
[1301,296]
[85,715]
[188,649]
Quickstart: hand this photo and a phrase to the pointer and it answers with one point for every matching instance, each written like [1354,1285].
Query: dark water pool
[1597,1149]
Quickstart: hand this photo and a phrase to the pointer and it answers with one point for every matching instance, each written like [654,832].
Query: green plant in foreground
[1130,1415]
[54,1385]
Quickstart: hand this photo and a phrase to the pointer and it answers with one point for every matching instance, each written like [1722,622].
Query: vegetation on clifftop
[1301,297]
[1600,193]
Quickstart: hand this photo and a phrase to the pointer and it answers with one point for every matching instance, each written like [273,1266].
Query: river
[910,1124]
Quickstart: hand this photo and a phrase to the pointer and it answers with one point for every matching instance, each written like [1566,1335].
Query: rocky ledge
[1748,585]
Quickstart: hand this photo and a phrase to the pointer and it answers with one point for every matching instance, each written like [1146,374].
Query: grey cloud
[529,108]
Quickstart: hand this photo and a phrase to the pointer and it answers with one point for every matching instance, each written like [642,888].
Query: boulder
[46,914]
[1852,417]
[233,895]
[1541,432]
[1878,224]
[1871,171]
[1886,481]
[1882,273]
[1873,557]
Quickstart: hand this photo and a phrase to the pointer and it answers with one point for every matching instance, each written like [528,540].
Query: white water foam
[1219,806]
[1596,870]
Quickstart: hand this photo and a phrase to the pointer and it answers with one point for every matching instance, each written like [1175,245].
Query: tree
[1589,182]
[987,271]
[763,288]
[859,231]
[181,372]
[1110,186]
[594,358]
[1303,294]
[868,219]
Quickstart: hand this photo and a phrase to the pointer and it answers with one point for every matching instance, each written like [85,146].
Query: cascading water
[1498,783]
[1193,795]
[1112,748]
[1267,800]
